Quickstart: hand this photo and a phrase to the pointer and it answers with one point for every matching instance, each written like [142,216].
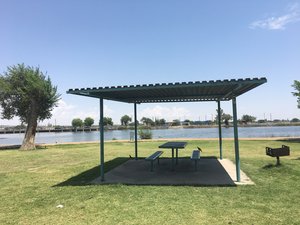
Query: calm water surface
[244,132]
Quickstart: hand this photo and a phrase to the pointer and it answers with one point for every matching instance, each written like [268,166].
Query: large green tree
[224,117]
[176,122]
[147,121]
[27,93]
[160,122]
[77,122]
[125,120]
[88,121]
[296,85]
[107,121]
[248,119]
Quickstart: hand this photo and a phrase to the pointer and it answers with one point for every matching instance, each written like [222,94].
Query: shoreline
[41,145]
[183,139]
[66,129]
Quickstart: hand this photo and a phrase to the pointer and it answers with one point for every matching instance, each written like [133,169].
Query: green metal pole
[236,140]
[135,132]
[220,129]
[101,140]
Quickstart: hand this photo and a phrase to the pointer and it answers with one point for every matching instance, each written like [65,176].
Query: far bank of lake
[244,132]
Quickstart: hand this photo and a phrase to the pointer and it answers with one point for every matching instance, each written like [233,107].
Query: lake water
[244,132]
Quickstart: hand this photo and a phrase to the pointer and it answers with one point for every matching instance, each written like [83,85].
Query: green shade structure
[135,132]
[173,92]
[219,90]
[101,128]
[220,130]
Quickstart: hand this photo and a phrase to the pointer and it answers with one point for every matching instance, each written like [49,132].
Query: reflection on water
[288,131]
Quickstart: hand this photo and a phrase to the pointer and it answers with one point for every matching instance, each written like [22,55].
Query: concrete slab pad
[210,172]
[231,170]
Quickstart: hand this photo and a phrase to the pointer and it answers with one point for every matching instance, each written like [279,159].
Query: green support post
[101,140]
[135,132]
[220,129]
[236,140]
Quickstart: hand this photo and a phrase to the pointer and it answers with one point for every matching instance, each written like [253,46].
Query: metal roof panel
[174,92]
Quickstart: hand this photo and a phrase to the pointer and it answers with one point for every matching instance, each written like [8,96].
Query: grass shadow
[290,140]
[17,147]
[87,176]
[270,166]
[10,147]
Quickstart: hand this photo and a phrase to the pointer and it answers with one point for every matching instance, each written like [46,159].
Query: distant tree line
[148,122]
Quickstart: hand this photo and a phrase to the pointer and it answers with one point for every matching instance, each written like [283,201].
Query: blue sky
[108,43]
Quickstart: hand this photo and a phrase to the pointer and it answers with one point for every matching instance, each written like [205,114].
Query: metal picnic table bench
[174,145]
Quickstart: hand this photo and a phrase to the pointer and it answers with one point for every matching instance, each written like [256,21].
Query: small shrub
[145,134]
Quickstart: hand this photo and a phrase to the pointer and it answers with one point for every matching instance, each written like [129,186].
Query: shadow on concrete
[137,172]
[128,171]
[86,177]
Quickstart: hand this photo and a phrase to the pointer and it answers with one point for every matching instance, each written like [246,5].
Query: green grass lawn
[34,183]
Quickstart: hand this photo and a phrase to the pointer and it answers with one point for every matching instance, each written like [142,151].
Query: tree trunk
[29,139]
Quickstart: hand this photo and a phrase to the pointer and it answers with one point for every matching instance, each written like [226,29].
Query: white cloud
[14,121]
[168,113]
[107,111]
[279,23]
[65,113]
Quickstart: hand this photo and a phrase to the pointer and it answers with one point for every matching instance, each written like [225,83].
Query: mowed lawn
[34,183]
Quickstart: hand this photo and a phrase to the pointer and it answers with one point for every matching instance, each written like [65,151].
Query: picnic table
[174,145]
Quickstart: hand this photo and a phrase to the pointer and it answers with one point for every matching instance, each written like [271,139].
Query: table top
[173,144]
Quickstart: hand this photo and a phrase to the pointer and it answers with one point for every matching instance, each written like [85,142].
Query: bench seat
[153,157]
[195,157]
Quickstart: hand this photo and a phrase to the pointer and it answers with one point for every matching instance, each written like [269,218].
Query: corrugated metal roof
[222,90]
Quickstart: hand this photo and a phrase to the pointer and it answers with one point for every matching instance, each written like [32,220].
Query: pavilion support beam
[101,125]
[135,132]
[236,140]
[220,129]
